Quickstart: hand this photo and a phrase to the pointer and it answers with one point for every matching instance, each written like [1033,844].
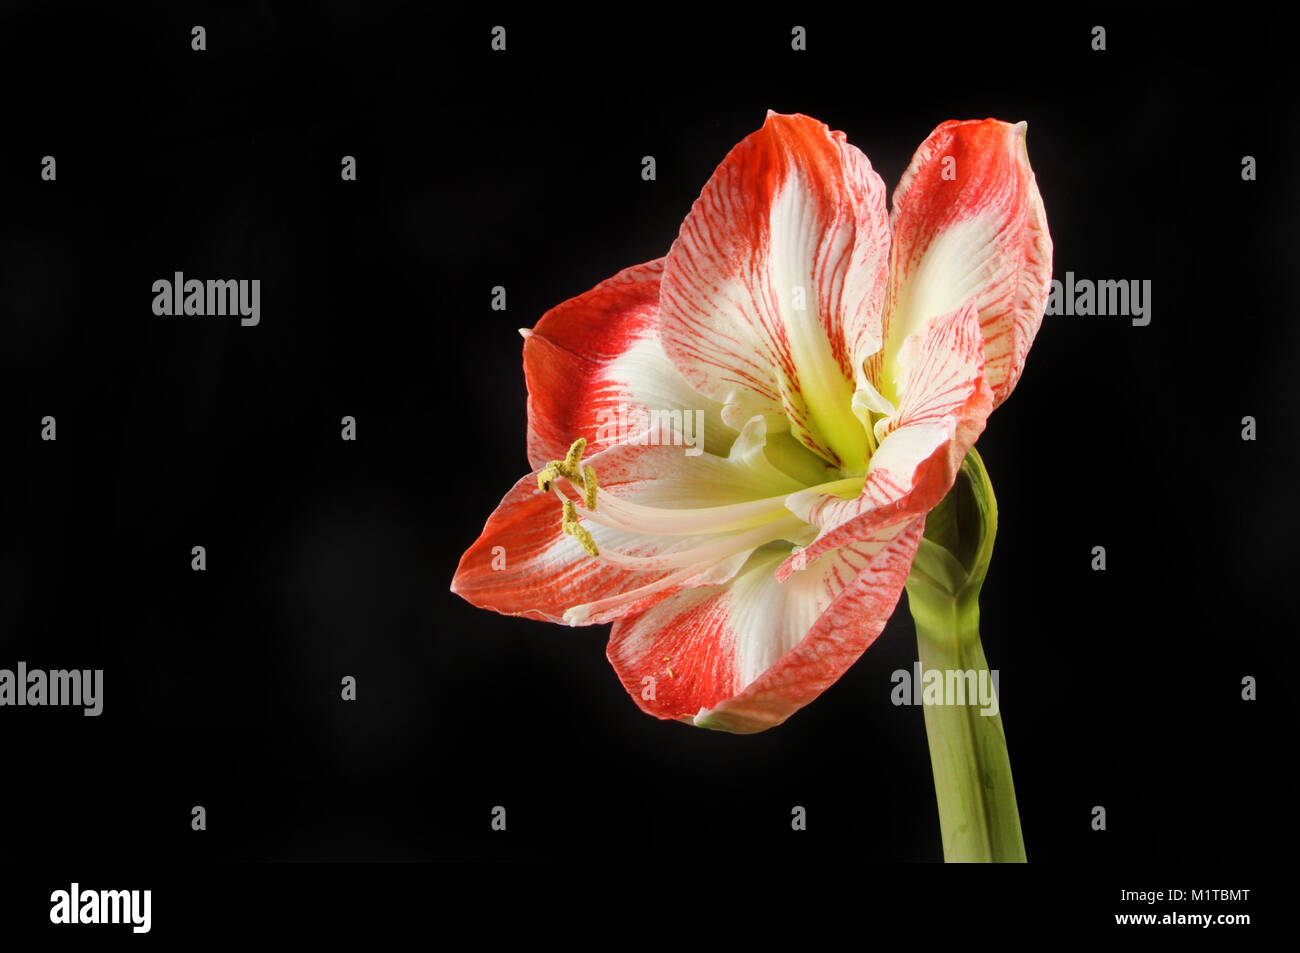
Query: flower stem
[978,817]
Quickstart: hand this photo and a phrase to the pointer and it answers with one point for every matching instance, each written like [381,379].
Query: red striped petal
[523,564]
[946,401]
[596,360]
[968,222]
[772,293]
[688,535]
[745,656]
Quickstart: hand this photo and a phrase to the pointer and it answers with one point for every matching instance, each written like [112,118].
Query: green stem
[968,750]
[978,817]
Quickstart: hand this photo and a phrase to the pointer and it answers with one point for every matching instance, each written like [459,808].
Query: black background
[522,169]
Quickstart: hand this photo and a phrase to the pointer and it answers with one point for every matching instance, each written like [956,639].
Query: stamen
[708,549]
[721,532]
[575,529]
[571,469]
[573,461]
[547,476]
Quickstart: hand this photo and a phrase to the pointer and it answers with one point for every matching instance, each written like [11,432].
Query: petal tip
[706,718]
[714,720]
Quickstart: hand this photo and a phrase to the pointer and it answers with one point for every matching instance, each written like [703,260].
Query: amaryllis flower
[842,361]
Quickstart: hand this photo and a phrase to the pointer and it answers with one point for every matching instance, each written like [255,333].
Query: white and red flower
[845,359]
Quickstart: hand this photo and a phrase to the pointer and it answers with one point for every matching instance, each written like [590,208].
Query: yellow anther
[575,529]
[573,462]
[571,469]
[547,476]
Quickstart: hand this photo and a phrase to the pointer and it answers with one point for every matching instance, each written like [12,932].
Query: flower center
[686,541]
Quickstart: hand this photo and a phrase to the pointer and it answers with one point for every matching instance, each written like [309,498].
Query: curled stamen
[571,469]
[547,476]
[575,529]
[573,460]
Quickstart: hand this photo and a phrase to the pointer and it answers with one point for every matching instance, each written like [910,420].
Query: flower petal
[665,521]
[946,401]
[772,292]
[968,221]
[596,359]
[523,564]
[745,656]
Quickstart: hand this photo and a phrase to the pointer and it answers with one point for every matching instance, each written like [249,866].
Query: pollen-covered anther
[572,469]
[573,460]
[575,529]
[546,476]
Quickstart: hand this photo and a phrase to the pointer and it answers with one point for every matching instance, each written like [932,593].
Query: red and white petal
[968,221]
[772,292]
[664,521]
[946,402]
[523,564]
[595,369]
[683,522]
[745,656]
